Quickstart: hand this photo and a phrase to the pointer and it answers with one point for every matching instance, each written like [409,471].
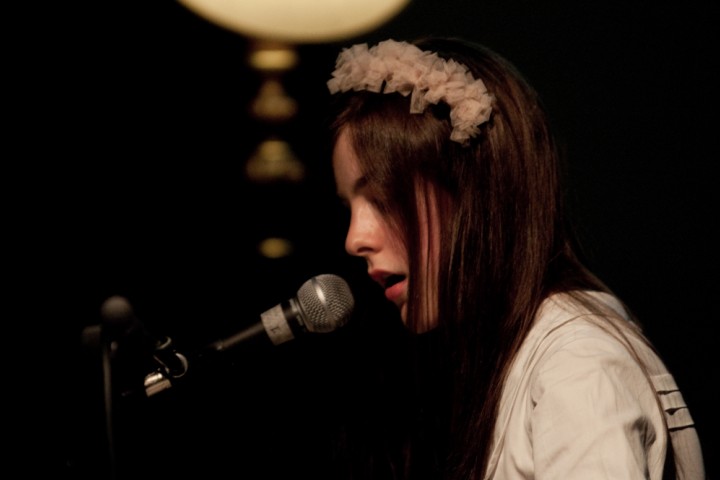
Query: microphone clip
[171,365]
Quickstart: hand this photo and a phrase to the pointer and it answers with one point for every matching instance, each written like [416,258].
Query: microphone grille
[326,301]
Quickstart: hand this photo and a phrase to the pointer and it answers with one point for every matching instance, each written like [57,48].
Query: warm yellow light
[273,160]
[275,247]
[298,21]
[272,57]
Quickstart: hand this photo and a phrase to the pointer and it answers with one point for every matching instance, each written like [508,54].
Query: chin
[403,313]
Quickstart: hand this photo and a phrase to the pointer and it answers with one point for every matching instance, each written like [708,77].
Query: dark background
[135,187]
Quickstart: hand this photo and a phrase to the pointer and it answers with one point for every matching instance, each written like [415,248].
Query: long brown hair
[504,243]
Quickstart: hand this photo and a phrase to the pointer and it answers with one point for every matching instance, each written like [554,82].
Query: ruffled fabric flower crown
[392,66]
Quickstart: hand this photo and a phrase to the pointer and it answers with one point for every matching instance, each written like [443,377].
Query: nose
[364,235]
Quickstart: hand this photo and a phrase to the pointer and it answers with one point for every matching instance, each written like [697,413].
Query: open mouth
[393,279]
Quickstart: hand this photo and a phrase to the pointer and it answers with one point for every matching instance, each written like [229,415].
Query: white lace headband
[401,67]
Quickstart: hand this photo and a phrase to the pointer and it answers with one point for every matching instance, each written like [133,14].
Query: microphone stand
[128,352]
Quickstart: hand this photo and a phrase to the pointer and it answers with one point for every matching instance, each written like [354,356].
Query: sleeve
[593,414]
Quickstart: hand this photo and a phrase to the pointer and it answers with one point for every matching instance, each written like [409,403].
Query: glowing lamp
[298,21]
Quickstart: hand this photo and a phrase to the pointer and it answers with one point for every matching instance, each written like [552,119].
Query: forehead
[345,163]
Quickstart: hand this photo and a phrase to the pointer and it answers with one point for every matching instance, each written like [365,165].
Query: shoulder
[585,337]
[584,350]
[579,398]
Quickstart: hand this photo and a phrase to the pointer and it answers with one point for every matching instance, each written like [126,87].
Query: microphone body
[322,304]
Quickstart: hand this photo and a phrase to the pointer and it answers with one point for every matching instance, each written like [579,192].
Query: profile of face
[371,237]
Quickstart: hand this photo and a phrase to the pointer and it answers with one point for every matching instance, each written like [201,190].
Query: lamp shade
[298,21]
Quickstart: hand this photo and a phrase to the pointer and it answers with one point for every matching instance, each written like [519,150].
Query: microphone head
[326,301]
[117,316]
[116,310]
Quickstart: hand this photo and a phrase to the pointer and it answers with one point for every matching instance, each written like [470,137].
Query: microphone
[322,304]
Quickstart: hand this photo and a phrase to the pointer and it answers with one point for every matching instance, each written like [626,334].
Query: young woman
[444,156]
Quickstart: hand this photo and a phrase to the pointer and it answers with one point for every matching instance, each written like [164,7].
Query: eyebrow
[358,185]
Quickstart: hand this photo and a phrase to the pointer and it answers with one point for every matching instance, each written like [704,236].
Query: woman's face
[370,236]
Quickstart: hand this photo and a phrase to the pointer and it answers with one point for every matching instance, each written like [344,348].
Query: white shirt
[577,404]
